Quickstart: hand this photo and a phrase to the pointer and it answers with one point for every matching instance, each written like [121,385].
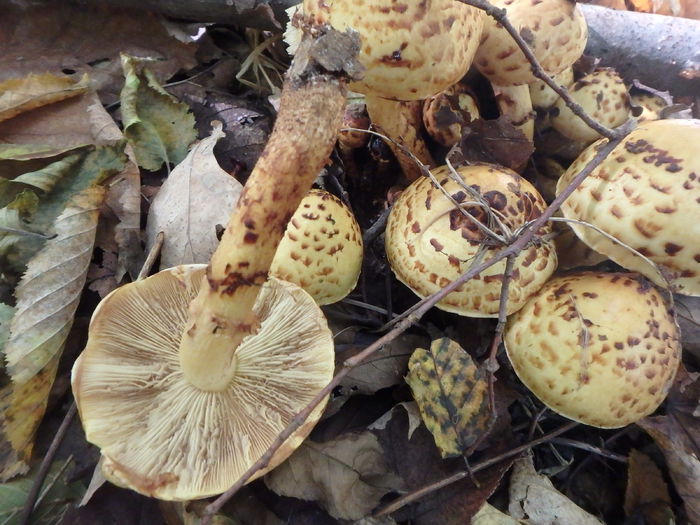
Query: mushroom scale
[165,438]
[322,248]
[646,193]
[601,349]
[429,242]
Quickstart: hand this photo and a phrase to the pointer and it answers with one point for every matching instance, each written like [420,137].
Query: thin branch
[429,489]
[500,16]
[590,448]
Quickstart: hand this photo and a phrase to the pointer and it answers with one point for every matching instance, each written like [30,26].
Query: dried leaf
[196,197]
[452,394]
[688,314]
[647,493]
[414,419]
[158,127]
[678,436]
[6,313]
[53,504]
[489,515]
[346,476]
[494,141]
[18,95]
[533,496]
[50,289]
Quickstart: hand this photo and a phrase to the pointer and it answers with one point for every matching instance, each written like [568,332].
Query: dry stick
[46,465]
[429,489]
[590,448]
[500,16]
[426,304]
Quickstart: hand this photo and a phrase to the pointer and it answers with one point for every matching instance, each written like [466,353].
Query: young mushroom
[322,248]
[189,375]
[433,235]
[646,194]
[410,51]
[598,348]
[556,32]
[446,112]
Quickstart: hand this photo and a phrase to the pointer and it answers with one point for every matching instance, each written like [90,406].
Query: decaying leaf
[18,95]
[59,496]
[647,494]
[196,197]
[489,515]
[533,496]
[411,410]
[678,436]
[346,476]
[688,315]
[158,127]
[452,394]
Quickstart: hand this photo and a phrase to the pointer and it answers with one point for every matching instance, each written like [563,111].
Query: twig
[46,465]
[500,16]
[590,448]
[428,489]
[426,304]
[377,227]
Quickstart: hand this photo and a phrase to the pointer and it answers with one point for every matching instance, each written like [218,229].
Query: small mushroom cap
[646,193]
[163,437]
[429,242]
[603,96]
[410,50]
[555,30]
[651,106]
[543,96]
[444,113]
[322,248]
[598,348]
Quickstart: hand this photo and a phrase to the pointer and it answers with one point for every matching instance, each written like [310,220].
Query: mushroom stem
[221,316]
[515,102]
[401,122]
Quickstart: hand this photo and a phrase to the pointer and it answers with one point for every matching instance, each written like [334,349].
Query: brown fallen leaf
[346,476]
[18,95]
[533,496]
[196,197]
[489,515]
[688,315]
[647,494]
[678,436]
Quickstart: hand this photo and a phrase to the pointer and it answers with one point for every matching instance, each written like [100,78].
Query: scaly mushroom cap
[603,96]
[647,195]
[598,348]
[555,30]
[440,112]
[651,105]
[410,50]
[429,242]
[322,248]
[161,436]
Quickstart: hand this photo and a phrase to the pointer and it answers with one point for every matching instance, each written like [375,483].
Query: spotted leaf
[452,394]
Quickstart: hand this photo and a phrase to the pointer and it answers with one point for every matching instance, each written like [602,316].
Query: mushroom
[432,239]
[410,51]
[322,248]
[602,95]
[556,32]
[189,368]
[651,105]
[646,194]
[543,96]
[598,348]
[445,113]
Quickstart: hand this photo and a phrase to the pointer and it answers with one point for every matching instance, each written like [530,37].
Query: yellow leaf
[18,95]
[452,394]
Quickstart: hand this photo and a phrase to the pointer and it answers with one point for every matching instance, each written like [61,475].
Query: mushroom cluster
[644,194]
[598,348]
[434,233]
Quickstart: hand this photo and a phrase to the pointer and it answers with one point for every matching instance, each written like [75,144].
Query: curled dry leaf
[647,495]
[452,394]
[533,496]
[196,197]
[18,95]
[346,476]
[412,411]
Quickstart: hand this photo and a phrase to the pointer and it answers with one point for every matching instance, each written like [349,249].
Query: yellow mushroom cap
[555,30]
[322,248]
[410,50]
[603,96]
[651,105]
[646,193]
[543,96]
[598,348]
[454,100]
[165,438]
[429,242]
